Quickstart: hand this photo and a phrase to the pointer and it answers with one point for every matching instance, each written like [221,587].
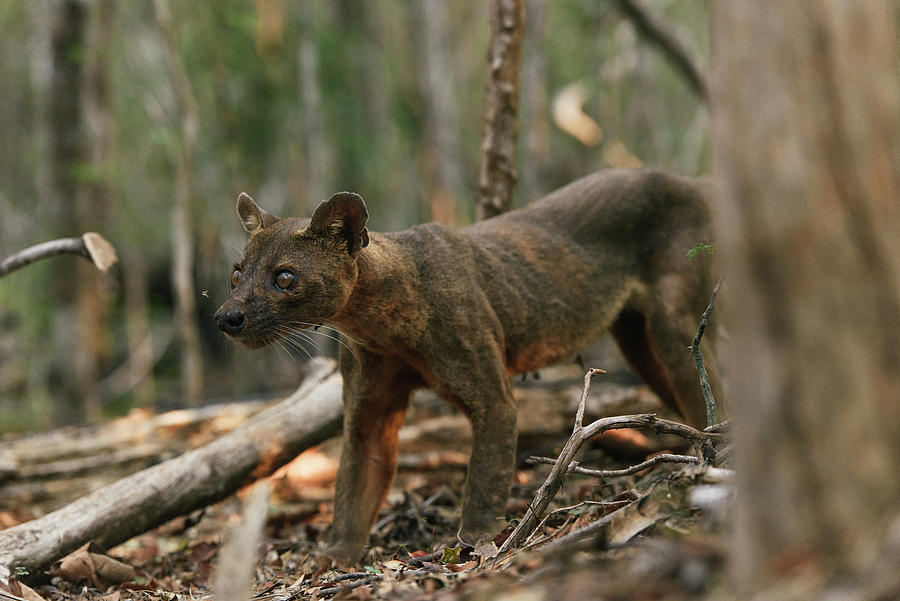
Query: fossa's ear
[253,217]
[343,215]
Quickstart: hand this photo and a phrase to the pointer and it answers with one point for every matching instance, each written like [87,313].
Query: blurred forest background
[144,120]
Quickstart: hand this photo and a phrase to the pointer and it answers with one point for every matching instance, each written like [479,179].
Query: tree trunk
[92,305]
[182,229]
[807,157]
[66,149]
[438,88]
[137,327]
[535,111]
[499,125]
[316,151]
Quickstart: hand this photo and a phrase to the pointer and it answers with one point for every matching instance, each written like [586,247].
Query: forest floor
[662,539]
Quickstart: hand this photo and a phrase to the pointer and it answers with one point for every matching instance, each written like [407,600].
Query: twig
[91,246]
[581,434]
[654,31]
[577,536]
[350,576]
[719,428]
[579,415]
[711,418]
[421,559]
[366,579]
[663,458]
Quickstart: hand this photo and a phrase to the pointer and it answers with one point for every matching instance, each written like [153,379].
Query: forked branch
[581,434]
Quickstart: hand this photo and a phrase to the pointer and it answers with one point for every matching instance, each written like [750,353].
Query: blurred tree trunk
[499,125]
[182,229]
[535,112]
[315,152]
[92,304]
[807,155]
[67,25]
[79,144]
[137,327]
[438,89]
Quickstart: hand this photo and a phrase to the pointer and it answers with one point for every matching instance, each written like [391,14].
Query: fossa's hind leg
[655,340]
[630,332]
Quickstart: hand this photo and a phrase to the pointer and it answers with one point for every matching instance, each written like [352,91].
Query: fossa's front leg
[375,403]
[491,468]
[483,391]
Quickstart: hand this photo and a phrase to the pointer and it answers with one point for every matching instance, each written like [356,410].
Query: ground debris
[652,541]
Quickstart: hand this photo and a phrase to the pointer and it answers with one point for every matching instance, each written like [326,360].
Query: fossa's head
[294,273]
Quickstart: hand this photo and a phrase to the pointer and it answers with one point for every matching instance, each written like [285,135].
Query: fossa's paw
[347,553]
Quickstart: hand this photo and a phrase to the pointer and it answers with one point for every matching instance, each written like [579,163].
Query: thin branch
[579,415]
[366,579]
[577,469]
[711,417]
[720,428]
[575,537]
[552,484]
[91,246]
[655,32]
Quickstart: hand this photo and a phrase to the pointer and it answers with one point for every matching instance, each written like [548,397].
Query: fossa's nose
[230,321]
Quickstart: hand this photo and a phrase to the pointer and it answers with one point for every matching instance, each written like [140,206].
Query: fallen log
[70,450]
[146,499]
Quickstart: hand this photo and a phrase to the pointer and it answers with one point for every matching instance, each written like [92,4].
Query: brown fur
[461,310]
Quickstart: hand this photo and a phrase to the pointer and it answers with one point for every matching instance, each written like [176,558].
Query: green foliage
[702,248]
[450,555]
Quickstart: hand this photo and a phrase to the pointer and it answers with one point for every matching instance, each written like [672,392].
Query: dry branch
[91,246]
[148,498]
[654,31]
[580,435]
[711,418]
[575,468]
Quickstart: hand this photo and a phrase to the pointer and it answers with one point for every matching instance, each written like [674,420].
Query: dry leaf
[19,590]
[90,564]
[487,551]
[462,567]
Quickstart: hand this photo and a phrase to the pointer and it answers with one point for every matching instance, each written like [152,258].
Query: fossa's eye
[236,278]
[285,280]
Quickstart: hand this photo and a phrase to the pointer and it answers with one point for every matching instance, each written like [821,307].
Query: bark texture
[807,158]
[499,126]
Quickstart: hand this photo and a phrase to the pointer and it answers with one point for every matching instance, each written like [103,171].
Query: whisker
[300,334]
[278,343]
[338,340]
[297,338]
[327,327]
[308,337]
[285,337]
